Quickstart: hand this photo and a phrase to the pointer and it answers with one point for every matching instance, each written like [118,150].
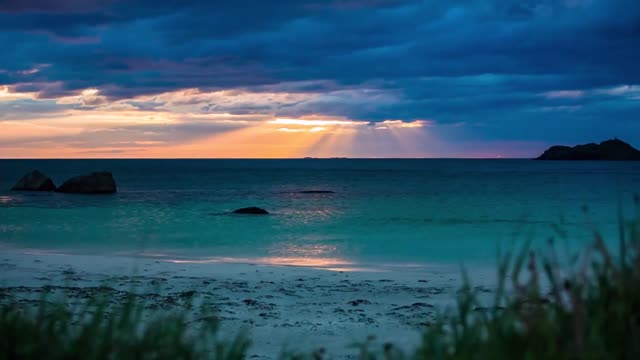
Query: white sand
[292,308]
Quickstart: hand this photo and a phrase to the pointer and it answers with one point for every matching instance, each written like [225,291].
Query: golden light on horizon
[87,124]
[245,139]
[313,122]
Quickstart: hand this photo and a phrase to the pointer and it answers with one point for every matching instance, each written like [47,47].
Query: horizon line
[284,158]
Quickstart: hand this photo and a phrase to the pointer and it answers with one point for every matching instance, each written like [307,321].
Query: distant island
[607,150]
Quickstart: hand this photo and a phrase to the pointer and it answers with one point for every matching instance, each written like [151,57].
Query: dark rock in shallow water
[359,302]
[34,181]
[94,183]
[316,192]
[251,211]
[607,150]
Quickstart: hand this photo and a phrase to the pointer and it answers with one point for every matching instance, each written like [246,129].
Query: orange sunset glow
[89,125]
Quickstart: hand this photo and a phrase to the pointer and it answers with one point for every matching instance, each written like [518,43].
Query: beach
[351,248]
[283,308]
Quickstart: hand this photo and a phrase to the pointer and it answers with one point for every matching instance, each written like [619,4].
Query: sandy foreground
[283,308]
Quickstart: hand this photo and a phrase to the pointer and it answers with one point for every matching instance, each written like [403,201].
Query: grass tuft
[589,312]
[95,331]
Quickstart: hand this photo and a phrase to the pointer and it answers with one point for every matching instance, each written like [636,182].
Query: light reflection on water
[303,250]
[317,256]
[332,264]
[318,263]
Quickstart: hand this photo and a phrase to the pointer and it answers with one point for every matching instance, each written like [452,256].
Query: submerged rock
[34,181]
[94,183]
[359,302]
[251,211]
[607,150]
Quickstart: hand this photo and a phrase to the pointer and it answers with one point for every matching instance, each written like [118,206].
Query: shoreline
[282,308]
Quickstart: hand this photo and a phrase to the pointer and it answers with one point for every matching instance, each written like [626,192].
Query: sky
[323,78]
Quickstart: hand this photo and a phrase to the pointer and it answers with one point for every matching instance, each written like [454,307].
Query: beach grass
[98,330]
[589,309]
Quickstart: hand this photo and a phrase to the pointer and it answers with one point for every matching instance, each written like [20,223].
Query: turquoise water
[383,211]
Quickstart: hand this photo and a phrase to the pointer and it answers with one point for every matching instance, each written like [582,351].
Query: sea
[379,212]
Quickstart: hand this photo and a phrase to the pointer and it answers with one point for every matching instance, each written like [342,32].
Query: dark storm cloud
[474,62]
[17,6]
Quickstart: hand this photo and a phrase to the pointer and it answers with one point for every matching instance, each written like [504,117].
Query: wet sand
[282,308]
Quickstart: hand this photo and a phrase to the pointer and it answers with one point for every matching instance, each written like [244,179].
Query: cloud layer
[487,77]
